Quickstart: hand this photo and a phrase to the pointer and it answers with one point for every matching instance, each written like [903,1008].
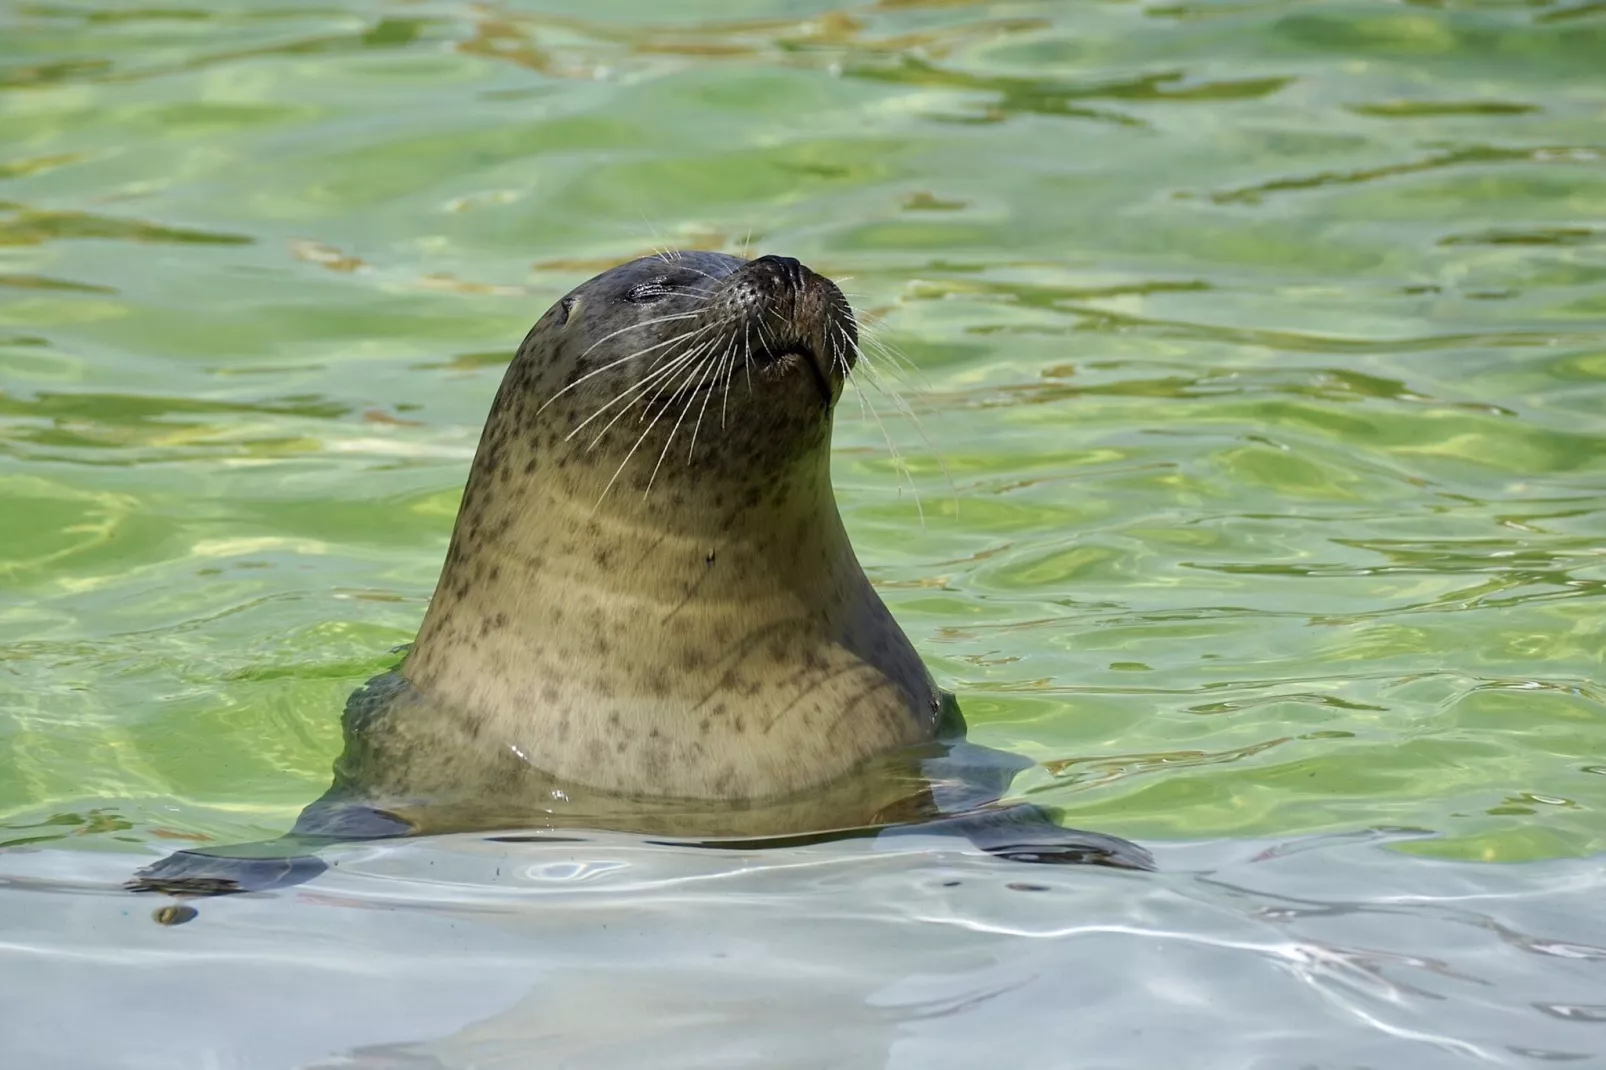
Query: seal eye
[648,291]
[565,307]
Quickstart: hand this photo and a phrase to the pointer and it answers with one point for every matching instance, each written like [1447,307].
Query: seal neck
[534,551]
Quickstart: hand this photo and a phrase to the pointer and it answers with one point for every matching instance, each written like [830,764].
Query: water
[1260,359]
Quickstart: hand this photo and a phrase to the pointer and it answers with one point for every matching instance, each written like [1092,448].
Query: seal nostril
[787,267]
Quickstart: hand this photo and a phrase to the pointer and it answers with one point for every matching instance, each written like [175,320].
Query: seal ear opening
[565,308]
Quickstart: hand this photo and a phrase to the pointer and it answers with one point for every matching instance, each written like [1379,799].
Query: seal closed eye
[650,616]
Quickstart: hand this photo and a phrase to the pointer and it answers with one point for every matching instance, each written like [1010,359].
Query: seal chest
[649,590]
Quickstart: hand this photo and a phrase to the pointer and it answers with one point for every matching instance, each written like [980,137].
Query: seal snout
[795,316]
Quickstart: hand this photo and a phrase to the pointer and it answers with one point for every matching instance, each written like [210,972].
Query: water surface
[1258,492]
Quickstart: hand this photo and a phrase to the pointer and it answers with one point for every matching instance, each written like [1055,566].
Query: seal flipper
[198,873]
[336,816]
[966,781]
[268,864]
[1025,833]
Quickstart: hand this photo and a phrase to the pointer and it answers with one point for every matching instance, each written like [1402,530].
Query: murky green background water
[1264,345]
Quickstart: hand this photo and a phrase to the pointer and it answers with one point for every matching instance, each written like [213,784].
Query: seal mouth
[805,354]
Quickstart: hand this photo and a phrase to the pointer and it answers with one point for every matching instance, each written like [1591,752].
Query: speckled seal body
[649,590]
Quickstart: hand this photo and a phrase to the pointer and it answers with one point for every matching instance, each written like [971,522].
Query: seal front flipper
[1025,833]
[268,864]
[199,873]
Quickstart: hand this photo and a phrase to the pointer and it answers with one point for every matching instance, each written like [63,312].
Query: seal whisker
[870,335]
[906,409]
[704,274]
[897,459]
[651,380]
[622,360]
[690,450]
[730,373]
[636,446]
[707,366]
[747,359]
[646,381]
[661,369]
[666,345]
[636,327]
[641,390]
[700,355]
[865,404]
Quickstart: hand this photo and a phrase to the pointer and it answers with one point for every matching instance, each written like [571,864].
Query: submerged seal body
[650,615]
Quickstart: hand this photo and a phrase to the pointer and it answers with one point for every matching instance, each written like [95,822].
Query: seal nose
[786,267]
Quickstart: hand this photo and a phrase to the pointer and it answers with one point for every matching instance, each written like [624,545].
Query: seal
[650,616]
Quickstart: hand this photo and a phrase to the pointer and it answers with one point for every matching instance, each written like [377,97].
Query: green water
[1260,349]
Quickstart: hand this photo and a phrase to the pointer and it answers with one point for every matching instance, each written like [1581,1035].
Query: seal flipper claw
[1025,833]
